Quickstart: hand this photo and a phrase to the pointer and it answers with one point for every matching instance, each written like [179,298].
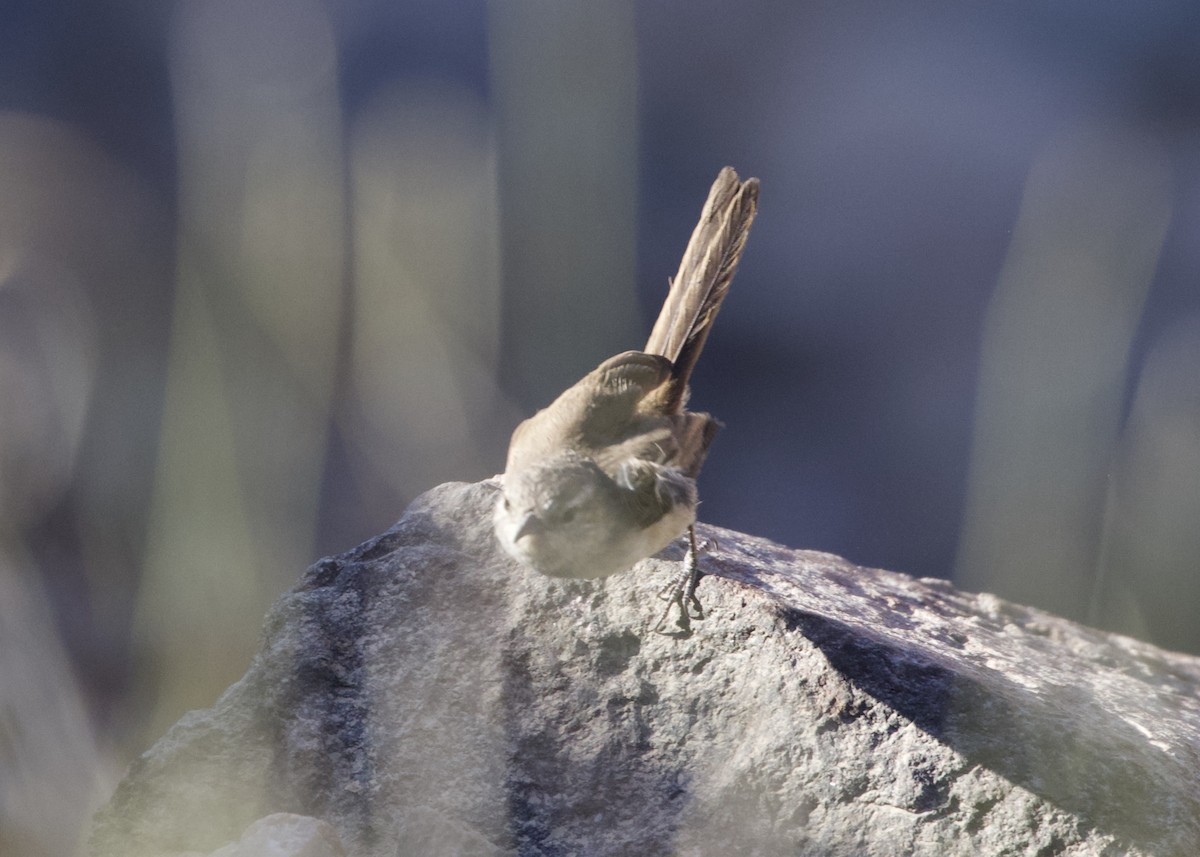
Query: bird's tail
[708,266]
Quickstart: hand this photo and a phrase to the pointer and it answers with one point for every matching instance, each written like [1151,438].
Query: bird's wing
[597,411]
[653,491]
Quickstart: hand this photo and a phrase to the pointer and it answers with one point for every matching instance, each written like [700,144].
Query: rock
[424,695]
[285,835]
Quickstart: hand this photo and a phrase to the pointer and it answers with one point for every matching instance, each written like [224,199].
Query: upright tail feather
[708,266]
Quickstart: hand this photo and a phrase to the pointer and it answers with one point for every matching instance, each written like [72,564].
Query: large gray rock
[423,695]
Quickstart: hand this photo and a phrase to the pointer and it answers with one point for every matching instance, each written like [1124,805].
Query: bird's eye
[568,515]
[507,505]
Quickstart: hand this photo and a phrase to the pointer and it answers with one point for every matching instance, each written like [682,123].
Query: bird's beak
[530,524]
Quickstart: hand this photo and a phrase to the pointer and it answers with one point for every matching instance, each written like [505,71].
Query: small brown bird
[606,475]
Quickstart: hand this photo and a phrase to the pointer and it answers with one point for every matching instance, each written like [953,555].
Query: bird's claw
[681,591]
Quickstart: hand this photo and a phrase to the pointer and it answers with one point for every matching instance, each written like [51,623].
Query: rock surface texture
[424,695]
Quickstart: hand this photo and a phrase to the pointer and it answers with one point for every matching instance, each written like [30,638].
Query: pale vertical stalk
[1149,585]
[425,333]
[1053,368]
[253,343]
[564,83]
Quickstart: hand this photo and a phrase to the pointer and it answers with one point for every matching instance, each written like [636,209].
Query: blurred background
[270,269]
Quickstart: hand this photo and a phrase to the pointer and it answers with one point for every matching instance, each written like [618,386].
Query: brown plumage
[605,475]
[703,279]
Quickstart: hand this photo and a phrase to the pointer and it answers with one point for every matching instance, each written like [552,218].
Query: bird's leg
[691,569]
[681,590]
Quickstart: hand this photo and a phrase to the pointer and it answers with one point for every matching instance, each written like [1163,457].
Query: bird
[605,476]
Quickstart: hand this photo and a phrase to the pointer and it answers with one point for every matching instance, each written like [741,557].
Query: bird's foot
[681,591]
